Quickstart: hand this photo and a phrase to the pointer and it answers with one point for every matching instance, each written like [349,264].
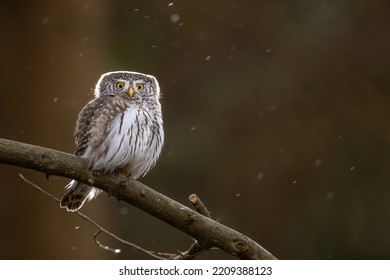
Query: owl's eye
[120,85]
[140,86]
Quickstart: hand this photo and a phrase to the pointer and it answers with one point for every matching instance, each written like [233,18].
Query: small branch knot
[190,218]
[241,246]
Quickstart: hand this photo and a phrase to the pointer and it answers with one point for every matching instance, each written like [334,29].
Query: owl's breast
[133,139]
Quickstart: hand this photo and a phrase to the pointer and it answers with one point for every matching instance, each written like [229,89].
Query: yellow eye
[120,85]
[140,86]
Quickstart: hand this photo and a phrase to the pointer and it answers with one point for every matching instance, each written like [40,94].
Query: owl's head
[133,84]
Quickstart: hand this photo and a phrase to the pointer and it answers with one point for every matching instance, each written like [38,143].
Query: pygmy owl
[121,129]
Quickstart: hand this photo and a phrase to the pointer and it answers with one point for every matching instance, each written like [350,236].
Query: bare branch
[194,250]
[104,247]
[203,229]
[191,253]
[99,227]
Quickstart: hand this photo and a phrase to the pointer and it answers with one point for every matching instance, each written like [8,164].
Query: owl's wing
[95,120]
[86,120]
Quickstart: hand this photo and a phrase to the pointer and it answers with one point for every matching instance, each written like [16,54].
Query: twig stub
[199,205]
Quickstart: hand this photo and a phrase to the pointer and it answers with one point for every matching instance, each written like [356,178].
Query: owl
[120,130]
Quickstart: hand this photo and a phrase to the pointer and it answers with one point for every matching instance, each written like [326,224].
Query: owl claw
[123,171]
[96,173]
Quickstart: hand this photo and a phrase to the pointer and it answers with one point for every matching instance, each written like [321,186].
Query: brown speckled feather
[94,120]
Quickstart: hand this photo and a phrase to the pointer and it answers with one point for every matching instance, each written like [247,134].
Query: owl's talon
[123,171]
[96,173]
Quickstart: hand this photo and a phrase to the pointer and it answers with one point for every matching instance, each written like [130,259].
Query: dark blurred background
[276,115]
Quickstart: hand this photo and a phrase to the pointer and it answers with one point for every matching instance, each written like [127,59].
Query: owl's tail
[76,194]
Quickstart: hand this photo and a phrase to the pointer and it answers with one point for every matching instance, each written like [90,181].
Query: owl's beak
[131,92]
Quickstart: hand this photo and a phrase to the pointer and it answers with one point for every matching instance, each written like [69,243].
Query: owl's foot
[123,171]
[96,173]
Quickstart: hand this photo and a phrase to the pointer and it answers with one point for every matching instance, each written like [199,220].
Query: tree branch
[206,231]
[95,224]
